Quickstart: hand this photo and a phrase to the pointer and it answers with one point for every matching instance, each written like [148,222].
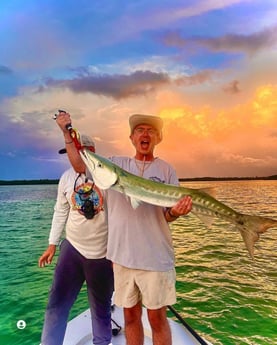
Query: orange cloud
[265,106]
[240,138]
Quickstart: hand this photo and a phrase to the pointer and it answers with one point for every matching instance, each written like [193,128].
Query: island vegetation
[272,177]
[28,182]
[56,181]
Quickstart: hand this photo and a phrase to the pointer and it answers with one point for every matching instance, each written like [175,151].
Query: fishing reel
[88,209]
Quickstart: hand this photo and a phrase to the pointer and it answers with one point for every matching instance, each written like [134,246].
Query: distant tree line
[273,177]
[56,181]
[28,182]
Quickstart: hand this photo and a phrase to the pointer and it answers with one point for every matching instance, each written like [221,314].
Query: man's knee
[133,314]
[157,318]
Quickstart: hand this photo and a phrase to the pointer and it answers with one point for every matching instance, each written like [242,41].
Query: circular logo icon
[21,324]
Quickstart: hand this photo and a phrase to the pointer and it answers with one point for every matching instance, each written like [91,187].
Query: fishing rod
[187,326]
[73,132]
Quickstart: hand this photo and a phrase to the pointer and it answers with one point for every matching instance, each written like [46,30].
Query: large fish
[108,175]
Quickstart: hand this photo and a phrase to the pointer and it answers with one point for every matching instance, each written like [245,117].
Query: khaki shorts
[154,289]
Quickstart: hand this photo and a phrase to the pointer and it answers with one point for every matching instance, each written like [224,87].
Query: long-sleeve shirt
[88,236]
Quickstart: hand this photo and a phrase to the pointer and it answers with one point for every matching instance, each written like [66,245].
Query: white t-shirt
[140,238]
[88,236]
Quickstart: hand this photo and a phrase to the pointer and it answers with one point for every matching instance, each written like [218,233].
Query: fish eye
[99,165]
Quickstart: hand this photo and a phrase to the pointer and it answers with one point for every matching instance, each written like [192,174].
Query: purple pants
[71,272]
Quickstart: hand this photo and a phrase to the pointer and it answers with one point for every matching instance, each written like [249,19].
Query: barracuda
[108,175]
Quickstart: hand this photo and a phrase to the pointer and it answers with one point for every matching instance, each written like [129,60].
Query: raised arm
[64,120]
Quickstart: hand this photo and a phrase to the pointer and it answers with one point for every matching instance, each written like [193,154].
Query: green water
[222,293]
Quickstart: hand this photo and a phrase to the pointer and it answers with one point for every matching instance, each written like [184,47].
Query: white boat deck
[79,332]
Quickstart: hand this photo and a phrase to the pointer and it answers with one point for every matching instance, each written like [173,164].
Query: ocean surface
[223,294]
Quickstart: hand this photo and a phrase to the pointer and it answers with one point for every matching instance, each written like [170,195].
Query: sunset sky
[208,68]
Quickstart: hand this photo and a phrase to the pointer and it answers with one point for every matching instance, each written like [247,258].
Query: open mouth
[145,144]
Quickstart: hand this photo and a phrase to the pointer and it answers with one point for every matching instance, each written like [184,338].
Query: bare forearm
[169,216]
[74,156]
[63,120]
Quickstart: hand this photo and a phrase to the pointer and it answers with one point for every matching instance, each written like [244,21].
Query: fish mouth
[88,161]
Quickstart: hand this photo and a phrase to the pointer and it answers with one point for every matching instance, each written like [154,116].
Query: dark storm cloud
[116,86]
[233,43]
[139,83]
[232,87]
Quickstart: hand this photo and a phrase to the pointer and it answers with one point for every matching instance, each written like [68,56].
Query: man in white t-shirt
[139,241]
[80,211]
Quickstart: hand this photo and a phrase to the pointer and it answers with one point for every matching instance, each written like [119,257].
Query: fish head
[101,169]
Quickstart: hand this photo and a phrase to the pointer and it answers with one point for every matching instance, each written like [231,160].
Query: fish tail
[251,227]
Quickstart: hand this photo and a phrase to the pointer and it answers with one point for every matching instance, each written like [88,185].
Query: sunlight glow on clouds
[213,81]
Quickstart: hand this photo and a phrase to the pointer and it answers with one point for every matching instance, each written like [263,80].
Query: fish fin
[207,220]
[251,227]
[135,202]
[209,190]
